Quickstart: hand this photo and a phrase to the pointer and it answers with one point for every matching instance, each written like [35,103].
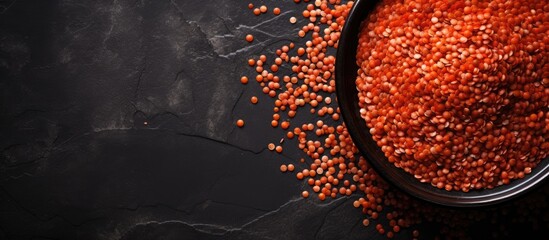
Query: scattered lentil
[257,11]
[244,80]
[293,20]
[249,37]
[240,123]
[291,167]
[254,99]
[333,167]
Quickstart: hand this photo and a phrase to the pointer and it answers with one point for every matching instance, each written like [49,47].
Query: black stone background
[117,122]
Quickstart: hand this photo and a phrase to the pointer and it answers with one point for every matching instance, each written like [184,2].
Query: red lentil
[291,167]
[333,167]
[257,11]
[249,37]
[251,62]
[456,114]
[244,80]
[240,123]
[254,99]
[293,20]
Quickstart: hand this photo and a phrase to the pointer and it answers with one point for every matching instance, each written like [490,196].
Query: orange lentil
[465,114]
[251,62]
[332,158]
[291,167]
[263,9]
[254,99]
[249,37]
[285,124]
[240,123]
[321,196]
[244,80]
[276,11]
[257,11]
[250,5]
[293,20]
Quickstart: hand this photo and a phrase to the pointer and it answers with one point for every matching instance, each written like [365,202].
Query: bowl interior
[346,73]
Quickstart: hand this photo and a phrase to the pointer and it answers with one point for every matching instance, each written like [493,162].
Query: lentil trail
[334,168]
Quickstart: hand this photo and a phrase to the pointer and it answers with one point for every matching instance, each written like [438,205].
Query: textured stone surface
[117,119]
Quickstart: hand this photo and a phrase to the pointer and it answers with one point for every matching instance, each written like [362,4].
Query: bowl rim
[345,75]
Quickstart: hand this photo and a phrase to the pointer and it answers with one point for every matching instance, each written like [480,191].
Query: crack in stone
[223,143]
[244,49]
[112,18]
[177,7]
[266,21]
[192,225]
[238,205]
[201,227]
[224,24]
[224,36]
[45,154]
[260,31]
[326,216]
[155,205]
[139,79]
[357,223]
[184,73]
[80,29]
[234,107]
[47,219]
[162,130]
[7,7]
[192,207]
[31,110]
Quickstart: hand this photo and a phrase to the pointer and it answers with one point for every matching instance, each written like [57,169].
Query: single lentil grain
[240,123]
[244,80]
[254,99]
[257,11]
[293,20]
[249,37]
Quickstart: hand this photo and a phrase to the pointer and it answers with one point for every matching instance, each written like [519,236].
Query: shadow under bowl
[346,91]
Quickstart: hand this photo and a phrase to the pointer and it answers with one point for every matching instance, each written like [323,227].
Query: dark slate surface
[117,119]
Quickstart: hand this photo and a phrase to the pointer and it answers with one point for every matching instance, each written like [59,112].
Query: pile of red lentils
[300,79]
[457,92]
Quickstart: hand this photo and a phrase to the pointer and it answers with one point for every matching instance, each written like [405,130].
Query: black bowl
[346,73]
